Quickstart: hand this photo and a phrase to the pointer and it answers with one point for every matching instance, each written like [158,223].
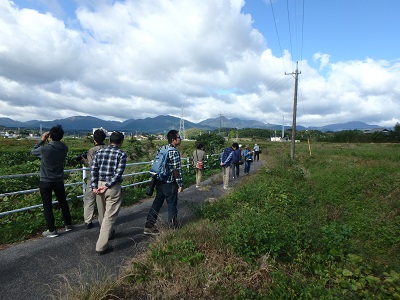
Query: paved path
[40,268]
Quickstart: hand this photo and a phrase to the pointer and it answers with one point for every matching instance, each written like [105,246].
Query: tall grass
[324,226]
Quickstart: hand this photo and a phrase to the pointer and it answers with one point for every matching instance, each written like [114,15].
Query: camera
[150,189]
[79,157]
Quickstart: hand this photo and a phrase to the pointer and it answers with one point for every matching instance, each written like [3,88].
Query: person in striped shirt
[167,190]
[106,176]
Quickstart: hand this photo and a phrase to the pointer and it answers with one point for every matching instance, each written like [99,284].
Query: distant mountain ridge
[165,123]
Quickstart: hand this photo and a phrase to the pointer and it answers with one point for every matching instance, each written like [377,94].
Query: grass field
[324,226]
[16,159]
[321,226]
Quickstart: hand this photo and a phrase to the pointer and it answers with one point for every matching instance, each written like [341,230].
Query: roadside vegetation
[321,226]
[324,226]
[16,159]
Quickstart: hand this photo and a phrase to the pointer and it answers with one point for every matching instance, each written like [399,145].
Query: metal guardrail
[80,183]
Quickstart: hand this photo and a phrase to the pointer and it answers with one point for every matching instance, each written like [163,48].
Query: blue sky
[348,30]
[134,59]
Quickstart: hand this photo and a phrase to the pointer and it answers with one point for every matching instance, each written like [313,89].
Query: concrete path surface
[40,268]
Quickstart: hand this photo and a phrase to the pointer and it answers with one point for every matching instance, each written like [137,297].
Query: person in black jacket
[52,158]
[236,158]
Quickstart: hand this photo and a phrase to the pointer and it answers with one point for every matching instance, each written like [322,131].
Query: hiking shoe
[174,223]
[112,235]
[49,233]
[151,231]
[68,228]
[88,225]
[107,250]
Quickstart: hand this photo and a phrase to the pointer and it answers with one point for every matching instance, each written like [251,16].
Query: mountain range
[165,123]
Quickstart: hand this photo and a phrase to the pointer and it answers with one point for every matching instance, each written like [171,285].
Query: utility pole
[220,120]
[182,127]
[296,79]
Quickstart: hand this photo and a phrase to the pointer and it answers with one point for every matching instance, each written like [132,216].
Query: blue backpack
[159,169]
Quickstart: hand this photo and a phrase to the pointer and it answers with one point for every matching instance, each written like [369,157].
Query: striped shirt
[174,162]
[108,165]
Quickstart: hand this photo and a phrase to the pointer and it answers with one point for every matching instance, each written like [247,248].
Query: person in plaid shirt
[106,176]
[167,190]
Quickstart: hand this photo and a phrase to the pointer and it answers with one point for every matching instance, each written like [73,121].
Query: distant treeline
[345,136]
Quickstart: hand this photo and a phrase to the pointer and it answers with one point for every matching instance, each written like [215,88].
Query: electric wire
[277,34]
[290,32]
[302,36]
[274,85]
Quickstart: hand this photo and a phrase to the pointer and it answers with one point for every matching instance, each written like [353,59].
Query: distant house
[107,132]
[279,139]
[373,130]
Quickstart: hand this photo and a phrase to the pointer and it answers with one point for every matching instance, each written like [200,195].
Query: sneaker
[107,250]
[174,223]
[68,228]
[151,231]
[88,225]
[49,233]
[112,235]
[197,186]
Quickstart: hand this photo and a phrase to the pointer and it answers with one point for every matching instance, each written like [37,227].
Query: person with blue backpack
[226,160]
[167,173]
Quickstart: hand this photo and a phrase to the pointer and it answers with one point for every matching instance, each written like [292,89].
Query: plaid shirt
[108,165]
[174,162]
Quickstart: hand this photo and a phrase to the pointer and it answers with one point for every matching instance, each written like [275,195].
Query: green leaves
[184,251]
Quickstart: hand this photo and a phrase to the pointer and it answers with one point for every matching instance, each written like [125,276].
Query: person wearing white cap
[256,152]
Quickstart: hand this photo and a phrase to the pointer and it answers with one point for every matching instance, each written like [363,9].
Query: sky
[199,59]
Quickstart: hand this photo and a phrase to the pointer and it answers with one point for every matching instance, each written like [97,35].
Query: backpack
[159,168]
[225,154]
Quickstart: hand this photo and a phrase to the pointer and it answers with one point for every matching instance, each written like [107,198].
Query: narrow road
[41,268]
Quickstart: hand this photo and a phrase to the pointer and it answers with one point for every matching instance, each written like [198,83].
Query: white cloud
[322,58]
[136,59]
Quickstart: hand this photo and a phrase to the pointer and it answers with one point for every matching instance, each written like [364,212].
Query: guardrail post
[84,185]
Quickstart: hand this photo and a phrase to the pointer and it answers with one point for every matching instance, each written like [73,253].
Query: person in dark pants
[248,159]
[167,190]
[236,157]
[52,158]
[256,152]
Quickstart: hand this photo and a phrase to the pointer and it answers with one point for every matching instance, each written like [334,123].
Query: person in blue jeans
[248,159]
[167,190]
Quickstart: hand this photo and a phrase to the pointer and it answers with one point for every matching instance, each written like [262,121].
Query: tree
[397,132]
[212,142]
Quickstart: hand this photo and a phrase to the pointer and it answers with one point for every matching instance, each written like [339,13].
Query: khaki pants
[198,176]
[88,203]
[108,205]
[226,171]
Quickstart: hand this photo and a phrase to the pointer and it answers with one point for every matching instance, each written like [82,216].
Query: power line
[277,34]
[302,35]
[290,33]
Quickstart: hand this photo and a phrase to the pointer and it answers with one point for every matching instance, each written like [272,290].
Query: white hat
[240,145]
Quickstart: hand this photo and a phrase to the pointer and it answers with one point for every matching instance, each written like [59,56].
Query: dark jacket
[52,158]
[237,155]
